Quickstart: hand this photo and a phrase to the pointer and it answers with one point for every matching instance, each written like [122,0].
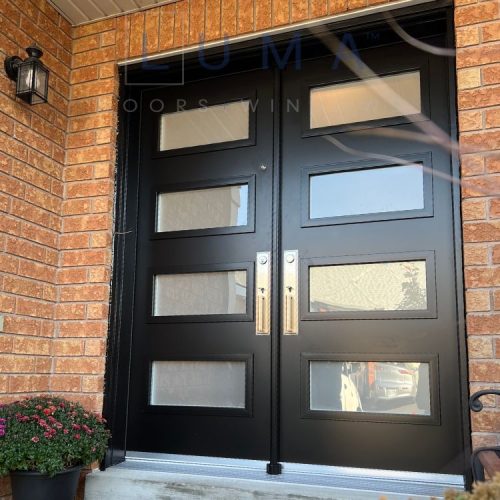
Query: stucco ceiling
[84,11]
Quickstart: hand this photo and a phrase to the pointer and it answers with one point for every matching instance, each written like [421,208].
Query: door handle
[290,292]
[263,294]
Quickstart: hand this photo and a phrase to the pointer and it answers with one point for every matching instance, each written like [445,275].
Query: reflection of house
[368,287]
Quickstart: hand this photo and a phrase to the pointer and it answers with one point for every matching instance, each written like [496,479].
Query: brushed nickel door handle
[290,292]
[263,293]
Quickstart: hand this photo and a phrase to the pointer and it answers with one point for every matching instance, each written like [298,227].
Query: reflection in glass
[224,206]
[376,190]
[370,386]
[193,294]
[359,101]
[218,384]
[205,125]
[382,286]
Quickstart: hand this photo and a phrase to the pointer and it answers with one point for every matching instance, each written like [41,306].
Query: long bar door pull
[290,292]
[263,294]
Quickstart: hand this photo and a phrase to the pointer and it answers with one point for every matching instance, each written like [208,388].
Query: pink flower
[48,435]
[65,431]
[77,436]
[35,439]
[77,427]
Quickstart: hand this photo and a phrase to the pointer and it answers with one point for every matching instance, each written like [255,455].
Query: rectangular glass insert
[215,384]
[192,294]
[370,191]
[364,100]
[382,286]
[370,386]
[224,206]
[205,125]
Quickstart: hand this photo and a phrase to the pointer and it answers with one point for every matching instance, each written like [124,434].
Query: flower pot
[27,485]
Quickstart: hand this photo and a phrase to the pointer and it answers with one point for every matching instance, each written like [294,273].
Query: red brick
[151,28]
[482,231]
[480,347]
[480,277]
[494,208]
[478,300]
[64,347]
[485,421]
[70,311]
[72,276]
[65,383]
[212,20]
[86,43]
[481,186]
[85,366]
[28,383]
[491,74]
[493,164]
[483,141]
[136,36]
[471,14]
[229,17]
[479,98]
[483,324]
[474,209]
[84,293]
[281,12]
[73,258]
[93,384]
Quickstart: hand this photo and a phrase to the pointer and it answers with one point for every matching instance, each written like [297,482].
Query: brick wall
[56,181]
[478,64]
[32,153]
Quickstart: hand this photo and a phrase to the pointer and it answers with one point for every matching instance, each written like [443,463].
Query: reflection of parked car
[385,381]
[349,395]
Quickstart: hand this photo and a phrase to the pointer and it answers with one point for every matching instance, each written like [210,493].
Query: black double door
[295,277]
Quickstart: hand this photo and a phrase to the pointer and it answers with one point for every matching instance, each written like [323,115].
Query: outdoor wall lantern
[30,75]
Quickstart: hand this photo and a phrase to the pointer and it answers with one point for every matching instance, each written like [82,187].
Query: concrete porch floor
[141,478]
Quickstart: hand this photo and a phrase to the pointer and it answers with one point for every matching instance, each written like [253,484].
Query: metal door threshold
[382,482]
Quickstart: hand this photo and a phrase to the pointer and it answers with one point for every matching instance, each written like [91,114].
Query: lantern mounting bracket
[11,66]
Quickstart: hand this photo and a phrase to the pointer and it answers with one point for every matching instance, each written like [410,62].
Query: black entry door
[200,362]
[367,330]
[370,363]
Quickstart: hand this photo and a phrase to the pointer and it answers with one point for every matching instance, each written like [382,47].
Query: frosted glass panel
[370,386]
[383,286]
[200,293]
[203,208]
[376,190]
[218,384]
[359,101]
[205,125]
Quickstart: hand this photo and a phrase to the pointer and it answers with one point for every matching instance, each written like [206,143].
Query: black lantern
[30,75]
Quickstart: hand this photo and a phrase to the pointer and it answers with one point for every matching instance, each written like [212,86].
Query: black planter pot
[28,485]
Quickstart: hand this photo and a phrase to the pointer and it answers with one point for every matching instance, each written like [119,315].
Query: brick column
[478,63]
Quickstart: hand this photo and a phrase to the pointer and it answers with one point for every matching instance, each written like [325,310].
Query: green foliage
[48,434]
[489,490]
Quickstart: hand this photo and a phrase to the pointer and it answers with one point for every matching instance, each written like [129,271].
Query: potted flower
[44,443]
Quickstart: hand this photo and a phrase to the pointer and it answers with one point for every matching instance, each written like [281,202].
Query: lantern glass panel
[41,81]
[25,78]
